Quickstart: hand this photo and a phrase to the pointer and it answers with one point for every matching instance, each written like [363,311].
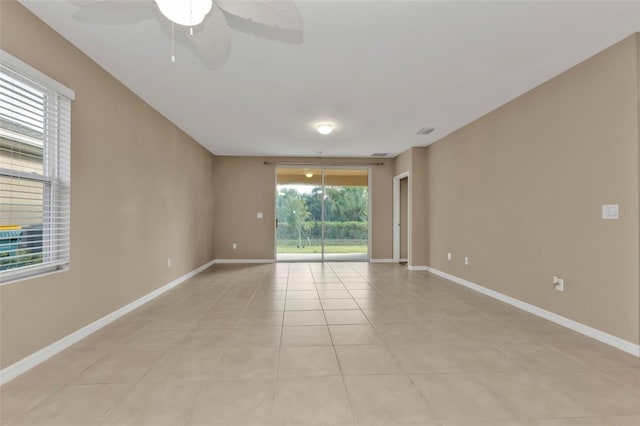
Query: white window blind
[35,136]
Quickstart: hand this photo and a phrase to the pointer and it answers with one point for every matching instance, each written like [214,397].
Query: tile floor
[333,344]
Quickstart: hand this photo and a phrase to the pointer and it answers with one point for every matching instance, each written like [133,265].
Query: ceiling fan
[207,21]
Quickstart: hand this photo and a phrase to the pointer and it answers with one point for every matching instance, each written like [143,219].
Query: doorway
[322,214]
[401,222]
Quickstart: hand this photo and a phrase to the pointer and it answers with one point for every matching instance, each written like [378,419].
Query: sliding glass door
[322,214]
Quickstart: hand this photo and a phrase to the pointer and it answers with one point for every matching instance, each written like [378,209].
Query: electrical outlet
[449,256]
[234,246]
[169,263]
[466,260]
[558,283]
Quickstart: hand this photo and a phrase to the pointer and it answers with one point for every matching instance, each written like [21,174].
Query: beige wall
[140,193]
[245,186]
[402,163]
[520,191]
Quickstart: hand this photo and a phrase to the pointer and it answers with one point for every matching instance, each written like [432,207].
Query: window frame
[51,178]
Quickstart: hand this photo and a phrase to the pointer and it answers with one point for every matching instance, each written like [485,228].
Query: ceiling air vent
[425,131]
[379,154]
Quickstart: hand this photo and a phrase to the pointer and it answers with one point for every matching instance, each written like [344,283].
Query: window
[35,113]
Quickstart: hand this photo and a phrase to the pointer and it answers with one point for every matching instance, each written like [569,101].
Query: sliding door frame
[322,170]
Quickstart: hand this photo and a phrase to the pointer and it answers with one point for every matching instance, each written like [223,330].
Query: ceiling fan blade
[212,39]
[282,14]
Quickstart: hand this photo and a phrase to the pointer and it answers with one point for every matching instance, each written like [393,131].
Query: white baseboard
[382,261]
[220,261]
[594,333]
[25,364]
[418,268]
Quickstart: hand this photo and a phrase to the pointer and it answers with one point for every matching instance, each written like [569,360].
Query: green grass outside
[330,246]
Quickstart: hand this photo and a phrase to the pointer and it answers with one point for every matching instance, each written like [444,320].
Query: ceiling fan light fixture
[188,13]
[325,128]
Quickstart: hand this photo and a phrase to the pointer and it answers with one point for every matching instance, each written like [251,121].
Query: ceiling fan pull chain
[173,43]
[191,28]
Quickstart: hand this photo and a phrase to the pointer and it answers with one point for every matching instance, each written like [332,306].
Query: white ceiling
[380,70]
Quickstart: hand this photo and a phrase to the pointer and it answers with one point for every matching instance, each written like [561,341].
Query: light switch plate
[610,211]
[259,215]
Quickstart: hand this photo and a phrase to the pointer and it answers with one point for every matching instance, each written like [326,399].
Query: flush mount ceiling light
[188,13]
[325,128]
[309,175]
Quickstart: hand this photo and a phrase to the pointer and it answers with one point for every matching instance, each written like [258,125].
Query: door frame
[396,215]
[322,169]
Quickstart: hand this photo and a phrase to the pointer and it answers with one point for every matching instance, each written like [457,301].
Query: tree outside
[300,220]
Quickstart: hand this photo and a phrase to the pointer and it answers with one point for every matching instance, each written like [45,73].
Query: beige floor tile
[119,367]
[335,285]
[539,356]
[185,365]
[596,392]
[364,293]
[479,358]
[247,363]
[19,396]
[75,405]
[456,397]
[298,361]
[241,330]
[306,335]
[339,304]
[303,305]
[577,421]
[366,359]
[304,318]
[153,340]
[219,319]
[63,367]
[153,404]
[261,305]
[261,319]
[404,334]
[312,401]
[105,339]
[333,294]
[416,359]
[301,286]
[375,303]
[256,336]
[625,376]
[534,395]
[345,317]
[203,339]
[354,335]
[302,295]
[625,420]
[597,355]
[177,319]
[387,400]
[234,402]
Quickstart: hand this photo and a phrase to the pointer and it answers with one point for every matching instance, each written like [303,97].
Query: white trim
[403,259]
[26,69]
[25,364]
[382,261]
[418,268]
[219,261]
[594,333]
